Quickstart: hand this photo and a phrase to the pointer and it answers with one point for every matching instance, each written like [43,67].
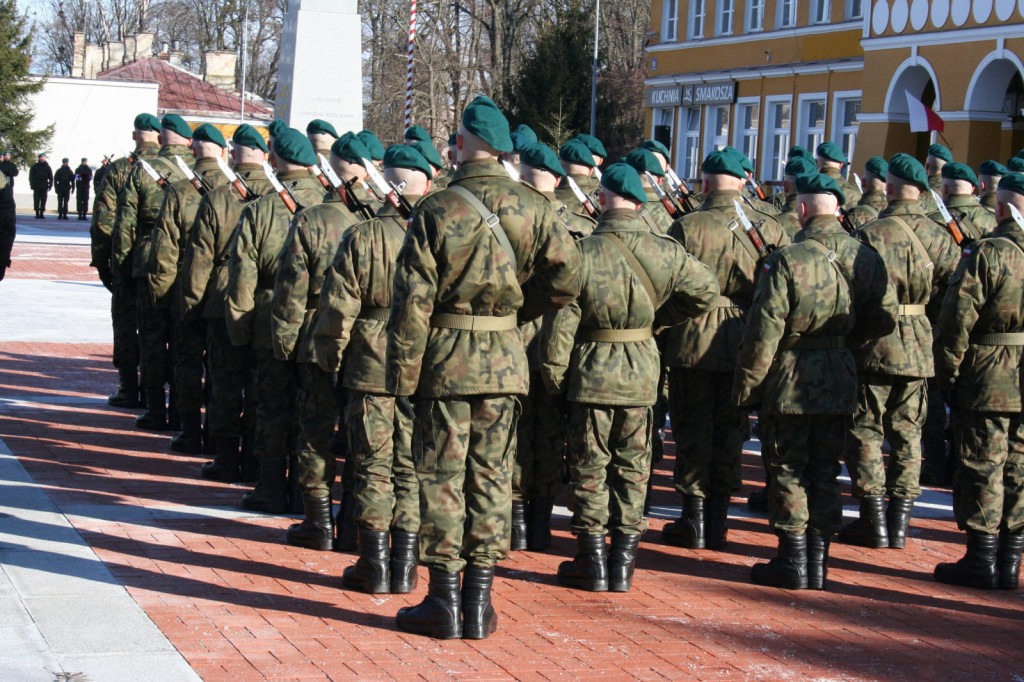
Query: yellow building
[762,76]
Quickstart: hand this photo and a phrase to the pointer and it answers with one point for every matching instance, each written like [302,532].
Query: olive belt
[370,312]
[812,343]
[474,323]
[997,339]
[615,335]
[911,310]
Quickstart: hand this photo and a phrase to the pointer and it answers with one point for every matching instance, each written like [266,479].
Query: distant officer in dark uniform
[64,185]
[83,179]
[40,180]
[7,217]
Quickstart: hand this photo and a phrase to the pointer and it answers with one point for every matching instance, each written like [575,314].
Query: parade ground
[119,563]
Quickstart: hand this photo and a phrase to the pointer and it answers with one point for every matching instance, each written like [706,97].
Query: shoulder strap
[1015,244]
[915,240]
[830,255]
[648,220]
[743,239]
[391,225]
[490,219]
[635,265]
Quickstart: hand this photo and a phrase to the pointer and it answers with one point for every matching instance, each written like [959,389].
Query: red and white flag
[922,118]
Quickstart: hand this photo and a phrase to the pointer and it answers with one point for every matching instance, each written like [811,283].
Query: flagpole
[408,68]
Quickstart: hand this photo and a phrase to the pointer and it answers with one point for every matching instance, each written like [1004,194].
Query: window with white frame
[696,23]
[820,11]
[811,121]
[755,16]
[726,9]
[776,136]
[664,118]
[689,160]
[854,9]
[716,128]
[747,126]
[669,20]
[845,126]
[786,17]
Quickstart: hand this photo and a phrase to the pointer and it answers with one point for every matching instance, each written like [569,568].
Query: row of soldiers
[465,325]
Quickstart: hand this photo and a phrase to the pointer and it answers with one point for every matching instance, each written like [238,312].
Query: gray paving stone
[38,668]
[90,625]
[49,574]
[117,668]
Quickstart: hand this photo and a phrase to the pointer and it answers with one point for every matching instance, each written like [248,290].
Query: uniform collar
[820,225]
[902,207]
[620,220]
[719,199]
[479,168]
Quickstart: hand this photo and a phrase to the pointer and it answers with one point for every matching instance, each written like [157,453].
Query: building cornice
[952,37]
[983,116]
[760,36]
[757,72]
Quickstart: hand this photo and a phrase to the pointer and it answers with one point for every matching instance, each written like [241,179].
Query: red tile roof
[182,92]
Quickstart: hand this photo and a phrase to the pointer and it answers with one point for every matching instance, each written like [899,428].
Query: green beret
[1013,182]
[524,129]
[65,160]
[906,167]
[451,139]
[593,144]
[84,159]
[655,146]
[644,160]
[207,133]
[483,119]
[147,122]
[543,157]
[176,124]
[372,144]
[959,171]
[318,126]
[350,148]
[940,152]
[247,136]
[294,147]
[819,183]
[797,150]
[878,166]
[1020,154]
[799,165]
[575,151]
[407,156]
[1016,164]
[276,126]
[721,162]
[993,168]
[520,141]
[744,160]
[415,132]
[622,179]
[831,151]
[428,151]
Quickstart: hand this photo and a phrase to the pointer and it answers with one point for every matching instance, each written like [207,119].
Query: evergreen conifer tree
[16,89]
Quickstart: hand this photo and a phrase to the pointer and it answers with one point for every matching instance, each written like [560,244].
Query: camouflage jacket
[441,181]
[453,264]
[138,206]
[659,214]
[104,211]
[975,220]
[171,234]
[614,297]
[709,342]
[204,271]
[927,201]
[779,200]
[590,186]
[802,294]
[985,296]
[908,350]
[853,194]
[759,205]
[988,200]
[870,205]
[308,252]
[788,218]
[354,300]
[255,254]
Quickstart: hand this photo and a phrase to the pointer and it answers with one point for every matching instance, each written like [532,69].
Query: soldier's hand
[107,277]
[405,406]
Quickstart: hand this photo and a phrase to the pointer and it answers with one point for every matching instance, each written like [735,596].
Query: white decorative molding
[982,10]
[959,11]
[759,36]
[899,15]
[787,71]
[880,16]
[919,14]
[951,37]
[988,84]
[940,13]
[895,100]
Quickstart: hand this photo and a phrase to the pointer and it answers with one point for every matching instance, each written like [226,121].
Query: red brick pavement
[241,605]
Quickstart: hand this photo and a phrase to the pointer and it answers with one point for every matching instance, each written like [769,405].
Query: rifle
[752,232]
[860,185]
[316,171]
[284,192]
[344,190]
[674,211]
[197,182]
[235,180]
[844,219]
[951,223]
[682,193]
[1017,217]
[152,172]
[581,197]
[512,172]
[390,193]
[758,192]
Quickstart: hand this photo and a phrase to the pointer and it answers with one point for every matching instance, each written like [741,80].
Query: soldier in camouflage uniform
[321,135]
[978,360]
[989,174]
[355,304]
[709,428]
[537,475]
[579,164]
[203,283]
[123,314]
[600,351]
[892,399]
[873,201]
[649,168]
[938,156]
[778,200]
[428,151]
[463,282]
[138,206]
[170,237]
[307,255]
[751,192]
[595,146]
[260,236]
[794,365]
[788,216]
[372,144]
[959,183]
[830,160]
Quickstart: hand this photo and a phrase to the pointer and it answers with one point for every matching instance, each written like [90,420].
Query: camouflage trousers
[988,488]
[189,349]
[125,319]
[463,449]
[380,446]
[609,463]
[276,432]
[801,454]
[888,408]
[155,353]
[232,385]
[317,408]
[539,466]
[709,430]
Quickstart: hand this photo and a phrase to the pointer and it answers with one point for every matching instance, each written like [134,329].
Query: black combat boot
[589,570]
[190,440]
[127,393]
[977,568]
[538,524]
[270,495]
[688,530]
[250,464]
[372,571]
[479,621]
[758,500]
[316,530]
[403,561]
[897,519]
[347,532]
[621,560]
[817,561]
[225,466]
[870,529]
[518,525]
[716,519]
[155,416]
[789,569]
[1008,559]
[295,502]
[439,615]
